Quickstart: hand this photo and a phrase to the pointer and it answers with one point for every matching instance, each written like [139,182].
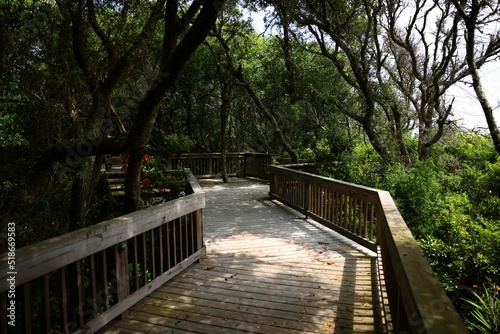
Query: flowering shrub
[158,183]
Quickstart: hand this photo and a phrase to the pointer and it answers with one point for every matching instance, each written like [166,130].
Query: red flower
[125,158]
[145,182]
[146,158]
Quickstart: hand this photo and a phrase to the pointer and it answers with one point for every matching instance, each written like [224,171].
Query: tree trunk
[82,192]
[478,87]
[88,172]
[224,113]
[174,59]
[487,109]
[263,110]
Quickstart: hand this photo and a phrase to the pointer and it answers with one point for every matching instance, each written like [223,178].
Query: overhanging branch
[72,153]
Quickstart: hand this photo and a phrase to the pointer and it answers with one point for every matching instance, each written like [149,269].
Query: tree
[345,33]
[425,62]
[106,44]
[223,38]
[477,16]
[118,53]
[176,51]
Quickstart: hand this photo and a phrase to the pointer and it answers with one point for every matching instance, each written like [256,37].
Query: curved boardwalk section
[267,270]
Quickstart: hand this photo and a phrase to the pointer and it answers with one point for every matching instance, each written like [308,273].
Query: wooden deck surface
[267,270]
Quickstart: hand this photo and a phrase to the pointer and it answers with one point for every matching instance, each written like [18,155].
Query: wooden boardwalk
[267,270]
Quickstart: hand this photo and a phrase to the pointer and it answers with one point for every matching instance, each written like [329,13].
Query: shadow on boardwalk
[267,270]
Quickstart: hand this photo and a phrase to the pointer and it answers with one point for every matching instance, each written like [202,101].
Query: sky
[466,108]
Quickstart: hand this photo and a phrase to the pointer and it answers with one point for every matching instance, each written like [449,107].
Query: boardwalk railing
[237,164]
[79,281]
[417,301]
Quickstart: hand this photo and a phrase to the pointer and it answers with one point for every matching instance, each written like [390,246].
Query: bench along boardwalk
[267,270]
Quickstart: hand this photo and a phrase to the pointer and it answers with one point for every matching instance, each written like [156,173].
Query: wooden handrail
[237,164]
[94,274]
[417,301]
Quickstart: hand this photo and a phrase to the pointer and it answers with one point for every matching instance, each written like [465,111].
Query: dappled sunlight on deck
[267,270]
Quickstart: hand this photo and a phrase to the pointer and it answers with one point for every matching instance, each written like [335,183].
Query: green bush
[450,202]
[175,145]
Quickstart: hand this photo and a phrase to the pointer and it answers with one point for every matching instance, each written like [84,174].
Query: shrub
[484,316]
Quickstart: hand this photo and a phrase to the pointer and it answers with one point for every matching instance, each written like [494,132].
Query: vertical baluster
[346,211]
[144,259]
[365,220]
[307,197]
[160,245]
[135,263]
[302,195]
[26,290]
[79,284]
[335,203]
[93,286]
[354,210]
[199,229]
[313,199]
[186,236]
[372,220]
[321,202]
[153,251]
[181,238]
[168,234]
[192,228]
[105,291]
[174,235]
[359,209]
[327,204]
[46,303]
[63,300]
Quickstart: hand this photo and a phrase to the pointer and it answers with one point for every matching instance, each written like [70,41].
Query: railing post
[245,164]
[199,229]
[122,279]
[307,199]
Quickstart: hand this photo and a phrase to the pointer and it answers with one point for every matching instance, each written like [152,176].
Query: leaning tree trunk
[478,89]
[224,113]
[473,22]
[263,110]
[174,58]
